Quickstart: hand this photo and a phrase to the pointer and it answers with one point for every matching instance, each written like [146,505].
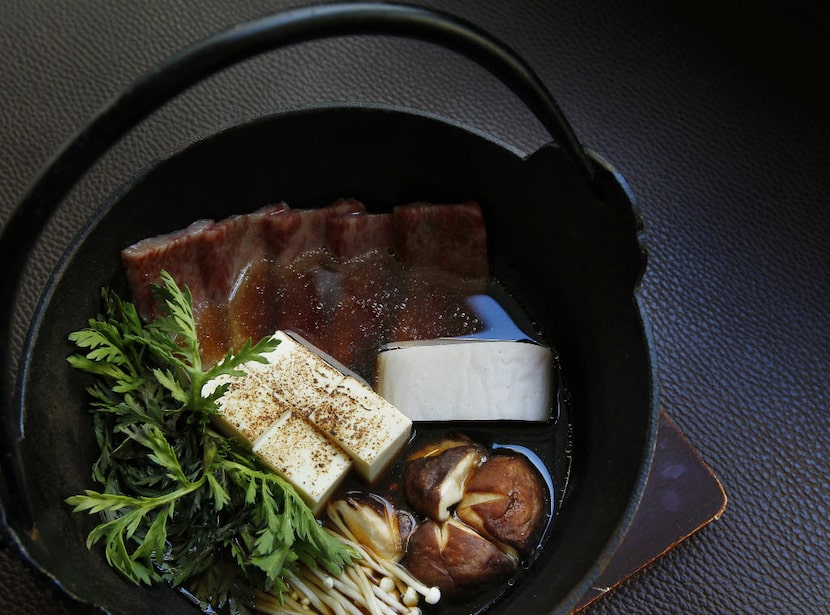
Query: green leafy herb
[180,502]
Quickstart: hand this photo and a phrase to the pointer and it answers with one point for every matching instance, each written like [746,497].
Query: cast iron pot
[564,241]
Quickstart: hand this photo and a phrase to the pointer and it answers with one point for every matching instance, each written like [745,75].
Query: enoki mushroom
[371,585]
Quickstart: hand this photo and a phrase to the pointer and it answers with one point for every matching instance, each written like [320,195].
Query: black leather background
[719,118]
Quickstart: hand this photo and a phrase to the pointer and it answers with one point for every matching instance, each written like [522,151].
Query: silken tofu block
[467,380]
[367,426]
[305,457]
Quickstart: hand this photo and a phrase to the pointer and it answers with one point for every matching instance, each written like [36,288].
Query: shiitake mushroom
[484,511]
[505,501]
[455,558]
[434,479]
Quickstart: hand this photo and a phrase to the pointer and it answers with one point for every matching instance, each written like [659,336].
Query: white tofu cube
[295,375]
[305,457]
[309,421]
[247,409]
[367,426]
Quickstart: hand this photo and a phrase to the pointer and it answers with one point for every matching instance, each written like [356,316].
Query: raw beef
[345,279]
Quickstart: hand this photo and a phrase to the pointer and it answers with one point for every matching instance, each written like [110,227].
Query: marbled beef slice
[444,251]
[367,287]
[177,253]
[449,238]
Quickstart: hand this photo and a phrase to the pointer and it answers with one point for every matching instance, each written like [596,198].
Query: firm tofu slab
[367,426]
[295,376]
[305,457]
[348,411]
[282,439]
[308,420]
[247,409]
[467,380]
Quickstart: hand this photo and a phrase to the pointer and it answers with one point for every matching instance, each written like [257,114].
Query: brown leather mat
[682,496]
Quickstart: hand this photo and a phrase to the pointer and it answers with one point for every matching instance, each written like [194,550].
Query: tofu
[305,457]
[367,426]
[247,409]
[349,412]
[295,375]
[308,420]
[468,380]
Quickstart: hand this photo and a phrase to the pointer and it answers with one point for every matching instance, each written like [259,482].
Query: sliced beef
[344,279]
[230,252]
[364,283]
[270,283]
[369,300]
[444,250]
[446,238]
[228,247]
[249,313]
[302,230]
[176,252]
[430,310]
[293,233]
[298,302]
[349,237]
[209,257]
[296,247]
[214,332]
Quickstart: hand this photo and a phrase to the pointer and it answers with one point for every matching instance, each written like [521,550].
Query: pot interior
[570,258]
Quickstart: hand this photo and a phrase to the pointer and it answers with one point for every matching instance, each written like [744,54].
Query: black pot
[564,239]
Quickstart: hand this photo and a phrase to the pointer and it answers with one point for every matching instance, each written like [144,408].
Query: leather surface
[682,497]
[718,119]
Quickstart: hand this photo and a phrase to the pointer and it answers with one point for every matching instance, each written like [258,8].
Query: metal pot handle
[222,50]
[242,42]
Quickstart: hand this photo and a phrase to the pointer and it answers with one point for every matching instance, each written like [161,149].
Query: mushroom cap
[433,484]
[505,501]
[455,558]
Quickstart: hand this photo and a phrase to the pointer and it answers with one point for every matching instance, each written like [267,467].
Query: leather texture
[716,116]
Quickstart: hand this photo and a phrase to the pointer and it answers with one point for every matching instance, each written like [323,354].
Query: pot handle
[224,49]
[220,51]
